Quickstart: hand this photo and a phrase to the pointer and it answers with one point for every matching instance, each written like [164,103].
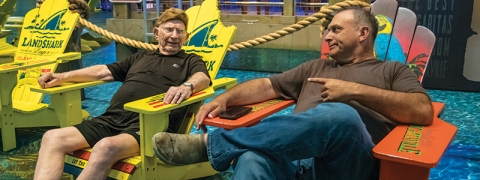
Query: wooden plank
[259,111]
[421,50]
[404,30]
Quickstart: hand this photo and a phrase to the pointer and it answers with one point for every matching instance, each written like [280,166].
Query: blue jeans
[329,141]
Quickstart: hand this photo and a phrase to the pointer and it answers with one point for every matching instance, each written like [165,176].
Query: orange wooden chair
[408,151]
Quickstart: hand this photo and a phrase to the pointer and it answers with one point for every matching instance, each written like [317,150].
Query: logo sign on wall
[452,22]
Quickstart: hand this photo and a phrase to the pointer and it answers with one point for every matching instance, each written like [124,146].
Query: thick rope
[324,16]
[76,6]
[120,39]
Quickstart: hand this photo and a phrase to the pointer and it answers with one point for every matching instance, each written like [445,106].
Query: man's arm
[250,92]
[200,81]
[92,73]
[403,107]
[409,108]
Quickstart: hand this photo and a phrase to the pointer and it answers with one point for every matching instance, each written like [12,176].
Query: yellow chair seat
[28,107]
[6,48]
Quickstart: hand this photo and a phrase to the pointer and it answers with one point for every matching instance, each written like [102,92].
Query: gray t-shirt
[393,76]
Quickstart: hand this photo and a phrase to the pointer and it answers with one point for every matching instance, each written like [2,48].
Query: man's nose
[328,37]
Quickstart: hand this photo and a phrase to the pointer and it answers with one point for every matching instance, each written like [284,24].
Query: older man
[344,106]
[114,134]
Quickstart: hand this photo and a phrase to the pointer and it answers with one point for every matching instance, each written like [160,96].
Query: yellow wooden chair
[208,38]
[41,46]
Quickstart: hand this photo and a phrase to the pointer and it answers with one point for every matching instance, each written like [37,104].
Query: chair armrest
[155,105]
[259,111]
[15,66]
[153,115]
[67,87]
[417,145]
[226,83]
[65,57]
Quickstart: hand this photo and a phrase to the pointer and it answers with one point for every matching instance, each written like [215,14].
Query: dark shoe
[179,149]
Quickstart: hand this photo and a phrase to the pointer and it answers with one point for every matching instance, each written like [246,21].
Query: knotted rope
[324,16]
[77,6]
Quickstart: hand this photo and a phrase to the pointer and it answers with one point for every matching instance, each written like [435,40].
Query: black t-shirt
[393,76]
[146,74]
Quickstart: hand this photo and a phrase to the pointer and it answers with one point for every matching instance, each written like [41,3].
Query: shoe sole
[157,153]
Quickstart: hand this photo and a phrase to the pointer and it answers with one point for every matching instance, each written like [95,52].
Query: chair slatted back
[45,35]
[421,50]
[208,36]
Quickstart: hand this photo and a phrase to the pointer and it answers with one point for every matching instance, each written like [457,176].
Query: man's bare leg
[106,152]
[55,144]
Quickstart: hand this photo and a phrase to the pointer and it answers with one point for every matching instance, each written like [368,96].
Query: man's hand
[176,94]
[211,109]
[50,80]
[335,90]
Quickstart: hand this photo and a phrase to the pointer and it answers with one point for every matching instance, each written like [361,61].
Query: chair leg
[9,140]
[390,170]
[7,124]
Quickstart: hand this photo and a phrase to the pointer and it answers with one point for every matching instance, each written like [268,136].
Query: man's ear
[155,32]
[364,33]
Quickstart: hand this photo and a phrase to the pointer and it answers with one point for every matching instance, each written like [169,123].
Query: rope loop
[325,15]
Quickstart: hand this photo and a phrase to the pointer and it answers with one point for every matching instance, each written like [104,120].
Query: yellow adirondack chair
[44,36]
[7,7]
[208,38]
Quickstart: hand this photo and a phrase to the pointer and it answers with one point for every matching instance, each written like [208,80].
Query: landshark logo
[202,38]
[46,29]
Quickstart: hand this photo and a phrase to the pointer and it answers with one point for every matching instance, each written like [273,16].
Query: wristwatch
[189,85]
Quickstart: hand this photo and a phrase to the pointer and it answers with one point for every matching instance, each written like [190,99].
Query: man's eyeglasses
[169,30]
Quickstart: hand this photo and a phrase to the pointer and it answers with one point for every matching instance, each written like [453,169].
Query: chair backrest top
[209,38]
[45,34]
[46,30]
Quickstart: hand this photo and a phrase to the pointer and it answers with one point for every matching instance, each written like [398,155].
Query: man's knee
[252,163]
[251,157]
[53,136]
[340,112]
[115,146]
[105,145]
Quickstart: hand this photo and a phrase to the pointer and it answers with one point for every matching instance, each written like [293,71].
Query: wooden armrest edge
[67,87]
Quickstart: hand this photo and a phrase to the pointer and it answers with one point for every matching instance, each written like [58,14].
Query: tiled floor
[461,161]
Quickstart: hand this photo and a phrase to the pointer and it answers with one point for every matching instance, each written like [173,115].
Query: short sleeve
[289,83]
[120,69]
[198,65]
